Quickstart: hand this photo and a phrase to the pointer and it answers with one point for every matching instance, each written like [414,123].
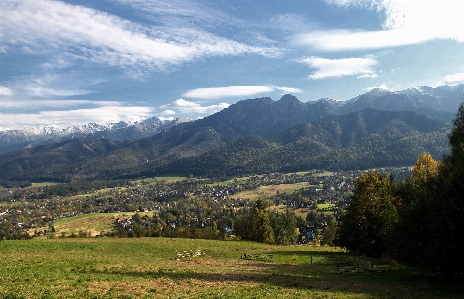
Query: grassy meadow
[270,190]
[146,268]
[93,223]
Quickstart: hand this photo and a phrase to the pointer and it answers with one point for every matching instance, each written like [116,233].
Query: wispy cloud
[29,104]
[232,91]
[368,76]
[91,35]
[188,107]
[53,85]
[179,12]
[67,118]
[340,67]
[406,23]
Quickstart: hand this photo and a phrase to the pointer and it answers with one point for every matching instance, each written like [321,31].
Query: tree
[370,217]
[431,224]
[416,227]
[255,225]
[329,235]
[447,206]
[284,227]
[425,168]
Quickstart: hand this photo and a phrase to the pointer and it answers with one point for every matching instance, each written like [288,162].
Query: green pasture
[325,206]
[42,184]
[146,268]
[93,223]
[167,179]
[270,190]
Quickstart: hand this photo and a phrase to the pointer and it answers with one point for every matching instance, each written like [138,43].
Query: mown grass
[146,268]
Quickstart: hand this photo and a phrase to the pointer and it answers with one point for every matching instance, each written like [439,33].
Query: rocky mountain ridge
[33,136]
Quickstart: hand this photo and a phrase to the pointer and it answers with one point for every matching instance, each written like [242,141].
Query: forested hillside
[358,140]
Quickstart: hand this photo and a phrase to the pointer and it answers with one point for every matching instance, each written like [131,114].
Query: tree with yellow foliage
[425,168]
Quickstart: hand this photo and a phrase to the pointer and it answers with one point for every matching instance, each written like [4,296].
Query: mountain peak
[288,98]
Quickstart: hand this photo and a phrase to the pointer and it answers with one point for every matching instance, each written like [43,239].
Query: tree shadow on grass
[315,277]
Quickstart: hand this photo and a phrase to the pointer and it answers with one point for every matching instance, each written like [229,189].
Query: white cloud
[67,118]
[5,91]
[406,23]
[168,112]
[232,91]
[184,106]
[56,104]
[454,79]
[85,33]
[38,91]
[340,67]
[165,118]
[288,89]
[383,87]
[368,76]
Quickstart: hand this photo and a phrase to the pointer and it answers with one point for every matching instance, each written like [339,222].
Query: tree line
[419,221]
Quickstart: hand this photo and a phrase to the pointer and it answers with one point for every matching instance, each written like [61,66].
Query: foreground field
[146,268]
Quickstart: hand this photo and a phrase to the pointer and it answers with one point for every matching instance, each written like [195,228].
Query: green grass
[93,223]
[167,179]
[325,205]
[41,184]
[145,268]
[266,191]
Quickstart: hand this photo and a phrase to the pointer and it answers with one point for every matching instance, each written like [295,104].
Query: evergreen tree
[432,219]
[255,225]
[448,206]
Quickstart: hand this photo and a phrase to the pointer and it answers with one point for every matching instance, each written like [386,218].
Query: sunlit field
[147,268]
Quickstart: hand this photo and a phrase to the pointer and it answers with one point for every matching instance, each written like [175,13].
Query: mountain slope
[369,138]
[285,134]
[441,102]
[261,116]
[11,140]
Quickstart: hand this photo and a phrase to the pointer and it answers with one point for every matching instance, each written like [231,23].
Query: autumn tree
[425,168]
[414,198]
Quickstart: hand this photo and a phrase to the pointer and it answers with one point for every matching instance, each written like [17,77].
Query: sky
[66,63]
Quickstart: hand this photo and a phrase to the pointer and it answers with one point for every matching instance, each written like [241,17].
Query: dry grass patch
[270,190]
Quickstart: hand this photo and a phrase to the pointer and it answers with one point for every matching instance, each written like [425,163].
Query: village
[190,202]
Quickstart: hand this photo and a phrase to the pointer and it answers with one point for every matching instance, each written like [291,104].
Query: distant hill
[251,136]
[11,140]
[358,140]
[262,117]
[441,102]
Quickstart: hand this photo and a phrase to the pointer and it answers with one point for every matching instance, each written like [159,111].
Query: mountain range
[11,140]
[379,128]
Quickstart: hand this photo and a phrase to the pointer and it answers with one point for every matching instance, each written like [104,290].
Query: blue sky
[67,63]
